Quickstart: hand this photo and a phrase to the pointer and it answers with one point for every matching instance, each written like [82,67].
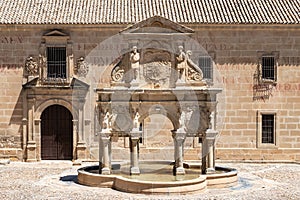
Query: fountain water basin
[157,178]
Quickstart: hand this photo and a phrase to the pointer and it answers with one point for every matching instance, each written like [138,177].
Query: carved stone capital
[211,134]
[178,136]
[135,135]
[105,137]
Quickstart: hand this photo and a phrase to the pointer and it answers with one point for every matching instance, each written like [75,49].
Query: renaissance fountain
[157,77]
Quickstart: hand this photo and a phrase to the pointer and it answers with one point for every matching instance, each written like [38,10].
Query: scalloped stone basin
[157,178]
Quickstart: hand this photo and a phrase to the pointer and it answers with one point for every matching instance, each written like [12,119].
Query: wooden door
[56,134]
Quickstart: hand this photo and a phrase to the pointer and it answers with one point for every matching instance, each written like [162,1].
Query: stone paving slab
[57,180]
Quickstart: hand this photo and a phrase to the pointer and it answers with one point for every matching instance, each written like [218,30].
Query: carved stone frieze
[155,68]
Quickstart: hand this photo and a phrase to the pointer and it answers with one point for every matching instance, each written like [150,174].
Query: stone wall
[235,50]
[236,62]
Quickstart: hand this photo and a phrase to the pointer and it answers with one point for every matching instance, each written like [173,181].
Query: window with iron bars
[56,63]
[268,68]
[205,65]
[268,128]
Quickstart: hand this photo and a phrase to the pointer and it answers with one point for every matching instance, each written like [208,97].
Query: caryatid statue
[135,64]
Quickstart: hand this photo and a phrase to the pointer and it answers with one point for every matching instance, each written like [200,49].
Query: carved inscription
[11,39]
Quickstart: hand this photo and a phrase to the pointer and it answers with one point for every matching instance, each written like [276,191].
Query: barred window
[56,62]
[205,65]
[268,125]
[268,67]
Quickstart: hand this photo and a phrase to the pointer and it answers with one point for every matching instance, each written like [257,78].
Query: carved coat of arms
[157,72]
[31,66]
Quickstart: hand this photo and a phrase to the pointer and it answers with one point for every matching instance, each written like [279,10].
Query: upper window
[205,64]
[268,67]
[56,62]
[57,58]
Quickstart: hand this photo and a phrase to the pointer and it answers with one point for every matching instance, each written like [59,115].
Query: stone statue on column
[135,64]
[181,64]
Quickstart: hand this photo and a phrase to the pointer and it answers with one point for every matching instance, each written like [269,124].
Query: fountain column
[105,143]
[208,145]
[204,151]
[134,139]
[211,134]
[179,138]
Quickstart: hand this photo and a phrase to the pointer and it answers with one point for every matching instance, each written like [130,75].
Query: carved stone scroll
[194,72]
[187,69]
[117,74]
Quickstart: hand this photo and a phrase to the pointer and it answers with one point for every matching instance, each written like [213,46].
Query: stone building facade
[251,58]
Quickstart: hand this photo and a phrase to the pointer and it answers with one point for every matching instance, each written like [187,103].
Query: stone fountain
[157,77]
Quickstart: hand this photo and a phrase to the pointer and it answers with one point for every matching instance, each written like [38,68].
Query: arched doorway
[56,133]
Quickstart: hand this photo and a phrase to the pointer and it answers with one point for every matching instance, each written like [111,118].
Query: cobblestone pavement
[57,180]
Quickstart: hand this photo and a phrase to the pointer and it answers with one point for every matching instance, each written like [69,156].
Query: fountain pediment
[156,58]
[157,24]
